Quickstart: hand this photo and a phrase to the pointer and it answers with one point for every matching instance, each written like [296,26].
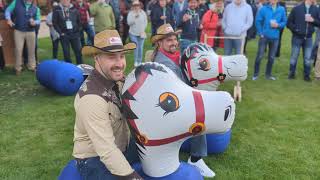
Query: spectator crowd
[227,24]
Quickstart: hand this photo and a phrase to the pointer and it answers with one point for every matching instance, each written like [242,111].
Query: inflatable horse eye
[169,102]
[204,64]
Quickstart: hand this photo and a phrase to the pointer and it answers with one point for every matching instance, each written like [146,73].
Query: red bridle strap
[203,81]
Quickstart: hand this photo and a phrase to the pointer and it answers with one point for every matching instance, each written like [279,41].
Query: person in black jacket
[251,33]
[161,14]
[190,25]
[301,22]
[66,21]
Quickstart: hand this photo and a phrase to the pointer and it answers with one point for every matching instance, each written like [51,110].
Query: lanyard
[65,12]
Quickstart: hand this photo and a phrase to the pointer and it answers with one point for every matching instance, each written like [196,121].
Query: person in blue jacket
[301,22]
[23,16]
[270,19]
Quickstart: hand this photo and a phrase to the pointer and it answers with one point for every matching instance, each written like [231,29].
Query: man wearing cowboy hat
[167,53]
[102,146]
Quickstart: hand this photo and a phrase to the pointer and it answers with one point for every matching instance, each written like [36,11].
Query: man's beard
[172,48]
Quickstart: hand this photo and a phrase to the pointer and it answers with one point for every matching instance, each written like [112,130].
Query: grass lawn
[276,134]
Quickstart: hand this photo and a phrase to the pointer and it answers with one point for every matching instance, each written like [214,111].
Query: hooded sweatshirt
[237,19]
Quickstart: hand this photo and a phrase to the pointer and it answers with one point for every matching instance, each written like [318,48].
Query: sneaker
[254,78]
[136,64]
[307,78]
[202,167]
[291,76]
[32,69]
[271,78]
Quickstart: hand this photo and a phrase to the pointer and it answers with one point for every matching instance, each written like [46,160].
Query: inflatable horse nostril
[227,113]
[72,80]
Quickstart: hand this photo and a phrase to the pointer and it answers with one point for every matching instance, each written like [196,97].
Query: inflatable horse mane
[205,69]
[162,112]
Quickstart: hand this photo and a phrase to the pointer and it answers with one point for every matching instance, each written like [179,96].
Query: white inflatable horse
[163,112]
[205,69]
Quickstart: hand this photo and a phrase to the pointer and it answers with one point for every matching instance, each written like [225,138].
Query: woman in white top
[137,21]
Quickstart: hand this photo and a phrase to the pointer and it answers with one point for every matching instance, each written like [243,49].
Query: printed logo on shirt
[115,41]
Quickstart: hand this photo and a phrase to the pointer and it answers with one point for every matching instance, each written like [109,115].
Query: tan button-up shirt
[100,128]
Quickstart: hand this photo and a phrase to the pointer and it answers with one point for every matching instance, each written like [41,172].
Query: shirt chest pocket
[115,116]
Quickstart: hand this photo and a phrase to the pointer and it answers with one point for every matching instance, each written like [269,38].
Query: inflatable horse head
[163,111]
[205,69]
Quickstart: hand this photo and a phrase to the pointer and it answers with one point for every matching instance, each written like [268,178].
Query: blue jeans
[273,45]
[93,169]
[138,52]
[55,47]
[75,43]
[199,146]
[90,34]
[306,45]
[230,44]
[184,43]
[315,46]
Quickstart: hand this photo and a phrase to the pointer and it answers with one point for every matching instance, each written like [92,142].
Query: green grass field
[276,134]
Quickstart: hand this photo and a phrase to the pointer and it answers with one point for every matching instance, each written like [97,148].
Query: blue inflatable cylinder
[61,77]
[185,172]
[70,172]
[216,143]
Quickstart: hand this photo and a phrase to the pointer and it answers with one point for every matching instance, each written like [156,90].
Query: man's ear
[95,57]
[159,43]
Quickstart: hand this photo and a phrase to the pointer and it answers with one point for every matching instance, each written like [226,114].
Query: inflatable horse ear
[205,70]
[163,112]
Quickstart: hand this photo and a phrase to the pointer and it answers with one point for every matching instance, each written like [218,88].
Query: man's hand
[163,17]
[10,23]
[186,17]
[32,22]
[132,176]
[309,18]
[201,26]
[275,25]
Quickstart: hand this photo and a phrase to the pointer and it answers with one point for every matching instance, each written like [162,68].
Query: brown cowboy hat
[163,31]
[107,41]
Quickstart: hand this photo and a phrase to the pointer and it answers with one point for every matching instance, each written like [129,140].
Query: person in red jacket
[211,23]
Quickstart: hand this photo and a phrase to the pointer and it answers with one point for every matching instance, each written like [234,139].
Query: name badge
[69,24]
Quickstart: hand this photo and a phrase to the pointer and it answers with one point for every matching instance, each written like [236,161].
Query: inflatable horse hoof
[70,172]
[185,172]
[216,143]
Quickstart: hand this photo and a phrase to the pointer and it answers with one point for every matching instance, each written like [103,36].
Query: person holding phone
[301,22]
